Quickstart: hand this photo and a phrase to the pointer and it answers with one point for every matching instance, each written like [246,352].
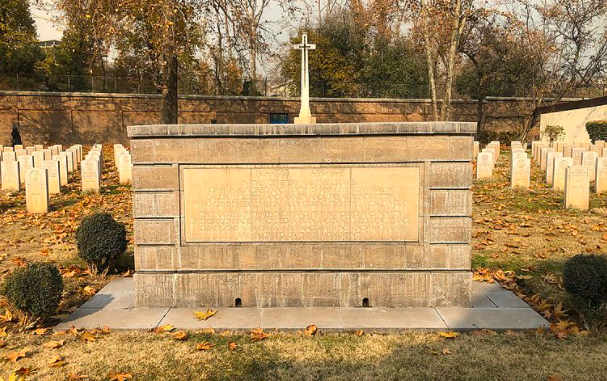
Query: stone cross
[305,116]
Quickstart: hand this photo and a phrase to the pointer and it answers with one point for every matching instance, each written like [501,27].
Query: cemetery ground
[520,238]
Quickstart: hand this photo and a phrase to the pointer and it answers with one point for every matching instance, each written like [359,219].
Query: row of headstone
[91,168]
[42,171]
[486,159]
[572,167]
[124,164]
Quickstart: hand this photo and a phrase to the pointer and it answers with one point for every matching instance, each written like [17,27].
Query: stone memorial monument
[550,165]
[305,116]
[318,215]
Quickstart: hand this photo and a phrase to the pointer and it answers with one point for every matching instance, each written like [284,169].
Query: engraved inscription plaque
[291,203]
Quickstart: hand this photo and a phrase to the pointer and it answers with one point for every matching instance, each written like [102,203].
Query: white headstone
[558,178]
[54,176]
[600,179]
[38,159]
[9,170]
[36,190]
[521,172]
[63,177]
[484,165]
[91,179]
[550,165]
[577,187]
[26,162]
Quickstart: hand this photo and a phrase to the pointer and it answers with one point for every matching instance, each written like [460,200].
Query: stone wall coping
[260,130]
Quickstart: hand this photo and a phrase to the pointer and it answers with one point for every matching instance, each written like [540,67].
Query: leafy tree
[19,50]
[357,55]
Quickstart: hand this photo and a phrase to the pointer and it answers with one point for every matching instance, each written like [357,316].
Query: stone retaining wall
[82,118]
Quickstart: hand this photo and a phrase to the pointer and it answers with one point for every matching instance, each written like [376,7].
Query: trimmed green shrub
[597,130]
[585,277]
[101,240]
[34,292]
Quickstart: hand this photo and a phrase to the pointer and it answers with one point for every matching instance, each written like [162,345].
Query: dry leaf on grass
[113,376]
[449,335]
[311,330]
[258,334]
[164,329]
[205,346]
[41,331]
[56,361]
[15,356]
[88,337]
[54,344]
[232,346]
[360,333]
[181,335]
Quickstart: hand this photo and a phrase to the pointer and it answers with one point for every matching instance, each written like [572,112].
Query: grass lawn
[520,238]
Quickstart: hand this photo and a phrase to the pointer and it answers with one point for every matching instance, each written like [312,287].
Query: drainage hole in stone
[366,302]
[237,302]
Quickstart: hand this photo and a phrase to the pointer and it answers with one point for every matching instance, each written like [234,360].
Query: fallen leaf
[113,376]
[164,329]
[311,330]
[25,371]
[205,346]
[449,335]
[552,377]
[56,362]
[181,335]
[232,346]
[54,344]
[15,356]
[2,343]
[41,331]
[360,333]
[88,290]
[204,315]
[446,351]
[258,334]
[88,337]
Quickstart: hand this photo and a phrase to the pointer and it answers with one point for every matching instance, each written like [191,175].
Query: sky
[47,30]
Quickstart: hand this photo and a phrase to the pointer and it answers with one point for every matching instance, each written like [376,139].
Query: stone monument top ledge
[371,128]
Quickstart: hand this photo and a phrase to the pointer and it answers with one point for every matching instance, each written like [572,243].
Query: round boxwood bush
[585,277]
[34,291]
[101,240]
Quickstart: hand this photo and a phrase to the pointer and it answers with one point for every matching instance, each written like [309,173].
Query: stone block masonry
[325,215]
[71,118]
